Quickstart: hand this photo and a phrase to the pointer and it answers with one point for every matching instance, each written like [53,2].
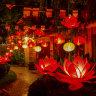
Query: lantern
[49,13]
[27,12]
[19,42]
[7,27]
[12,43]
[26,39]
[42,27]
[39,32]
[62,13]
[15,48]
[33,27]
[31,44]
[24,46]
[59,39]
[35,12]
[11,50]
[44,44]
[75,13]
[79,40]
[8,48]
[69,47]
[19,33]
[16,27]
[37,48]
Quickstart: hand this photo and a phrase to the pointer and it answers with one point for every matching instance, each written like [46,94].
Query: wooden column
[26,51]
[51,46]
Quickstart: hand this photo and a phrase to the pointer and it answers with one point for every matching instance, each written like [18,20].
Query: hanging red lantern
[31,44]
[49,13]
[75,13]
[7,27]
[19,42]
[8,54]
[16,27]
[79,40]
[42,27]
[59,39]
[35,12]
[27,12]
[62,13]
[33,27]
[44,44]
[70,22]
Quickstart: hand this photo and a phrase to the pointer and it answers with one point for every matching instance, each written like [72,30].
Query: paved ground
[21,85]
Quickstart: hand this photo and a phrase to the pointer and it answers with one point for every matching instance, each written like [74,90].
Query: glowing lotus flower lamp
[38,48]
[47,66]
[44,44]
[69,47]
[15,48]
[77,72]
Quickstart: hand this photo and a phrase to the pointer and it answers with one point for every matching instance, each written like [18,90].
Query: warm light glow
[26,39]
[24,46]
[69,47]
[11,50]
[37,48]
[15,47]
[44,44]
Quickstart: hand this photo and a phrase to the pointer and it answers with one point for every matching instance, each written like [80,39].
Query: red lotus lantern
[39,32]
[44,44]
[12,43]
[47,66]
[8,48]
[15,48]
[11,37]
[8,54]
[77,72]
[19,42]
[6,59]
[19,33]
[70,22]
[31,44]
[59,39]
[79,40]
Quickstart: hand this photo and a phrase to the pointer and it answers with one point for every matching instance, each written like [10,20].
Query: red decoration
[79,40]
[75,13]
[35,12]
[77,72]
[47,66]
[21,22]
[11,37]
[16,27]
[62,13]
[7,27]
[10,6]
[31,44]
[44,44]
[12,43]
[49,13]
[39,32]
[19,33]
[8,54]
[19,42]
[8,48]
[59,39]
[70,22]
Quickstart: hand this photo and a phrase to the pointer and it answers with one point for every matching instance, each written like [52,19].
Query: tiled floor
[21,85]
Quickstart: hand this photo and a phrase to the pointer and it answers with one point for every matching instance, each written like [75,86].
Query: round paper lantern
[44,44]
[69,47]
[79,40]
[37,48]
[24,46]
[59,39]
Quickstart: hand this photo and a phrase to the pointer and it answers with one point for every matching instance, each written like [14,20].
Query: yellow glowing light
[24,46]
[15,47]
[37,48]
[11,50]
[26,39]
[69,47]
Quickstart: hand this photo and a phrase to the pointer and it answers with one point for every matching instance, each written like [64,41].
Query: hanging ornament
[49,13]
[35,12]
[31,44]
[37,48]
[59,39]
[44,44]
[9,6]
[62,14]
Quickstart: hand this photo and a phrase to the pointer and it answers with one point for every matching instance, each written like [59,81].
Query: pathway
[24,79]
